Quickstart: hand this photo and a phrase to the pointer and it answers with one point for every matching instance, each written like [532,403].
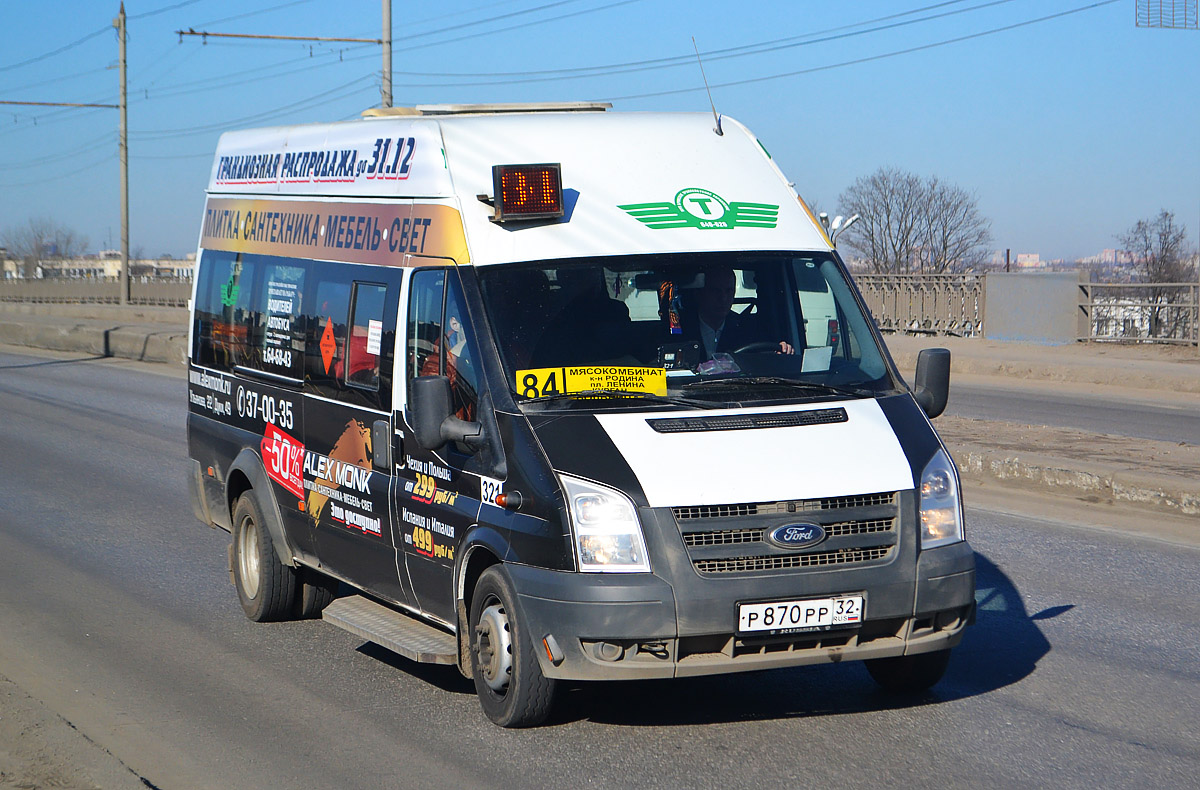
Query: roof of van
[632,182]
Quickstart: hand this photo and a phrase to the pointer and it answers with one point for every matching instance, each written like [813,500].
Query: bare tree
[39,239]
[1160,255]
[912,226]
[954,236]
[1158,249]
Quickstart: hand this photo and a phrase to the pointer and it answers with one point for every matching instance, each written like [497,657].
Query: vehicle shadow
[446,678]
[1001,648]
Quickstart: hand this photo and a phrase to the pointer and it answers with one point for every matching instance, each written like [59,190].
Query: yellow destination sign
[539,382]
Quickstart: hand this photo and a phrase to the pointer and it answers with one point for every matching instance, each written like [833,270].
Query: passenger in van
[716,325]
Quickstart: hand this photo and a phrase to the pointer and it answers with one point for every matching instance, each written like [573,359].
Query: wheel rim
[493,646]
[248,558]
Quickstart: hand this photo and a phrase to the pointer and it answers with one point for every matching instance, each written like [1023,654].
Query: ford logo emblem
[797,536]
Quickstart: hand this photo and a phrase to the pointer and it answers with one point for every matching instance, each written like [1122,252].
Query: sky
[1067,121]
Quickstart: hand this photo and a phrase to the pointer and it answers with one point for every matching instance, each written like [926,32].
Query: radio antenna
[716,117]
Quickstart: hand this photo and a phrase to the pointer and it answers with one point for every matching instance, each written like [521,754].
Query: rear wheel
[511,687]
[908,674]
[265,586]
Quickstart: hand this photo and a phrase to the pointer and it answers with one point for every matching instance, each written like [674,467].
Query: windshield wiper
[619,393]
[778,381]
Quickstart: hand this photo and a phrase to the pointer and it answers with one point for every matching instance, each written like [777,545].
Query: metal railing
[1142,312]
[149,291]
[948,304]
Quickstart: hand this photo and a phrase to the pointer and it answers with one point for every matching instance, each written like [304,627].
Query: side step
[388,628]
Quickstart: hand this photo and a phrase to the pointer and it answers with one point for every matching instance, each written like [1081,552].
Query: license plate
[800,615]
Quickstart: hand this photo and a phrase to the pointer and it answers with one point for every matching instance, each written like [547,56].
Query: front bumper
[637,626]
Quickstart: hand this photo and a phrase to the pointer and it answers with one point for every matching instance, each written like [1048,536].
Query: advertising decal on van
[379,233]
[700,208]
[389,158]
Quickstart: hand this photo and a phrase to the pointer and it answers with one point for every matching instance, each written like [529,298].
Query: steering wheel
[757,347]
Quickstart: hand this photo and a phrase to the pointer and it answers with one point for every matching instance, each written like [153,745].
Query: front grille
[733,538]
[786,506]
[715,511]
[786,561]
[727,537]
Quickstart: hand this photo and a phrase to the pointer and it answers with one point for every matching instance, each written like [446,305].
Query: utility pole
[123,150]
[386,85]
[385,88]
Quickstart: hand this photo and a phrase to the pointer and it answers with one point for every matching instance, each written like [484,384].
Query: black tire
[265,586]
[909,674]
[314,591]
[511,687]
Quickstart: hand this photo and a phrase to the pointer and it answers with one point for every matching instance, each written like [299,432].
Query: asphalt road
[116,611]
[1143,414]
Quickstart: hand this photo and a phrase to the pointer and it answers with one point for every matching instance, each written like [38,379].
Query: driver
[719,328]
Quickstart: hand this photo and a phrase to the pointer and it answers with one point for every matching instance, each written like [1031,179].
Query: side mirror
[933,381]
[434,422]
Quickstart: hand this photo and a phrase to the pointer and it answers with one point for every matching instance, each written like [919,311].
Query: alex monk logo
[700,208]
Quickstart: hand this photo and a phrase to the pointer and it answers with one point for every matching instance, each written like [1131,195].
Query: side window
[425,323]
[282,350]
[227,322]
[329,316]
[440,341]
[364,344]
[459,350]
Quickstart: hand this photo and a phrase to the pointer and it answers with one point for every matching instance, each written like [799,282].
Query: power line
[518,27]
[493,18]
[58,51]
[871,58]
[57,80]
[688,58]
[164,9]
[57,104]
[205,34]
[254,13]
[160,134]
[554,75]
[46,179]
[100,142]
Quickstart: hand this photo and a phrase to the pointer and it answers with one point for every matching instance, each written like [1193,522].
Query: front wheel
[909,674]
[266,587]
[511,687]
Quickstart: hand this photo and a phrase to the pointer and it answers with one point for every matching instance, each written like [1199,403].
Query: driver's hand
[785,348]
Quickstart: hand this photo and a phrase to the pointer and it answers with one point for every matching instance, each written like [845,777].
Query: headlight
[938,503]
[608,535]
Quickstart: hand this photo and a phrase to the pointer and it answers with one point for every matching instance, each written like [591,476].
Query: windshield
[715,328]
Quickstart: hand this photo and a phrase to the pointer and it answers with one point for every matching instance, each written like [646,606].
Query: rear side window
[365,339]
[328,319]
[351,337]
[227,320]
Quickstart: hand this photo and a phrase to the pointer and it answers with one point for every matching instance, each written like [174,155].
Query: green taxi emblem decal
[699,208]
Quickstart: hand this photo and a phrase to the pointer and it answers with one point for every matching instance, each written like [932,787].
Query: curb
[143,344]
[1164,493]
[1115,372]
